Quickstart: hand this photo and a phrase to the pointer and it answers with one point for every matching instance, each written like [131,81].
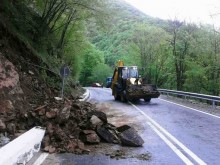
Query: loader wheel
[123,98]
[116,96]
[147,99]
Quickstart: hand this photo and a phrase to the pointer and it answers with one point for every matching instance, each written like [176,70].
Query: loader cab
[133,72]
[127,72]
[123,72]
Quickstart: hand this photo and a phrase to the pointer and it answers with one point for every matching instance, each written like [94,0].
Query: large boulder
[95,121]
[101,115]
[129,136]
[108,133]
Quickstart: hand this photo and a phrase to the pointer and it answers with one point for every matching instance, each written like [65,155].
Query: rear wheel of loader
[116,96]
[147,99]
[135,100]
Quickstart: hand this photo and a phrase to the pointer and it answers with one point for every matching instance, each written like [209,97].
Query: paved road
[173,134]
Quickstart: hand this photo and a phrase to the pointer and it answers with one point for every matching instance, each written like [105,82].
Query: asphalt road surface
[173,134]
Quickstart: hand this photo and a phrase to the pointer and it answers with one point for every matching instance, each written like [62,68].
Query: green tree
[100,73]
[91,59]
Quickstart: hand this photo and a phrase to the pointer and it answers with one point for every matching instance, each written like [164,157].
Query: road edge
[85,96]
[22,149]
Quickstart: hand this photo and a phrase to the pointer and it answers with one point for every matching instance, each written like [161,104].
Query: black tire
[123,98]
[147,99]
[116,96]
[135,100]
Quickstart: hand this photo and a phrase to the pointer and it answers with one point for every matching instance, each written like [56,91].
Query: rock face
[9,85]
[11,94]
[9,76]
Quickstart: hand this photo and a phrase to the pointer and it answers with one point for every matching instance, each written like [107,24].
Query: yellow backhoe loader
[127,85]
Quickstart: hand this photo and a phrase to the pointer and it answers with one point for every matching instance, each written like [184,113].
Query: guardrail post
[213,104]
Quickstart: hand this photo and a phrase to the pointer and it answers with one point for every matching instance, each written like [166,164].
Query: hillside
[30,80]
[169,53]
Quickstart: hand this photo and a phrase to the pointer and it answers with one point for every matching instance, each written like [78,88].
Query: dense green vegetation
[92,35]
[55,32]
[171,54]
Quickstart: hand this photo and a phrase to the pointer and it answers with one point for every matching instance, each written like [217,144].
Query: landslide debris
[120,154]
[26,101]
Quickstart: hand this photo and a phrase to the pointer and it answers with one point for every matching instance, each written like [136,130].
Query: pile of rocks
[25,102]
[69,125]
[76,123]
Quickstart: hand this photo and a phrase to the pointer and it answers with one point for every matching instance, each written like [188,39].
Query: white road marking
[41,159]
[171,145]
[162,130]
[191,108]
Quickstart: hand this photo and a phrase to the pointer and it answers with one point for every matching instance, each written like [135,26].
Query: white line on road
[162,130]
[41,159]
[171,145]
[191,108]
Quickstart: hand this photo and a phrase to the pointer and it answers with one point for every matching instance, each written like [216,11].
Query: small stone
[52,149]
[78,151]
[9,105]
[46,148]
[50,128]
[41,112]
[3,140]
[11,128]
[112,156]
[89,136]
[52,113]
[46,141]
[80,145]
[58,98]
[2,125]
[71,146]
[33,114]
[86,151]
[64,114]
[30,72]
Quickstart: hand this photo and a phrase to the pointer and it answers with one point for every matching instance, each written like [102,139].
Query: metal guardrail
[210,98]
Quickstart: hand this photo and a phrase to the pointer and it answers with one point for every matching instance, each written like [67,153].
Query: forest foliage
[90,36]
[172,54]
